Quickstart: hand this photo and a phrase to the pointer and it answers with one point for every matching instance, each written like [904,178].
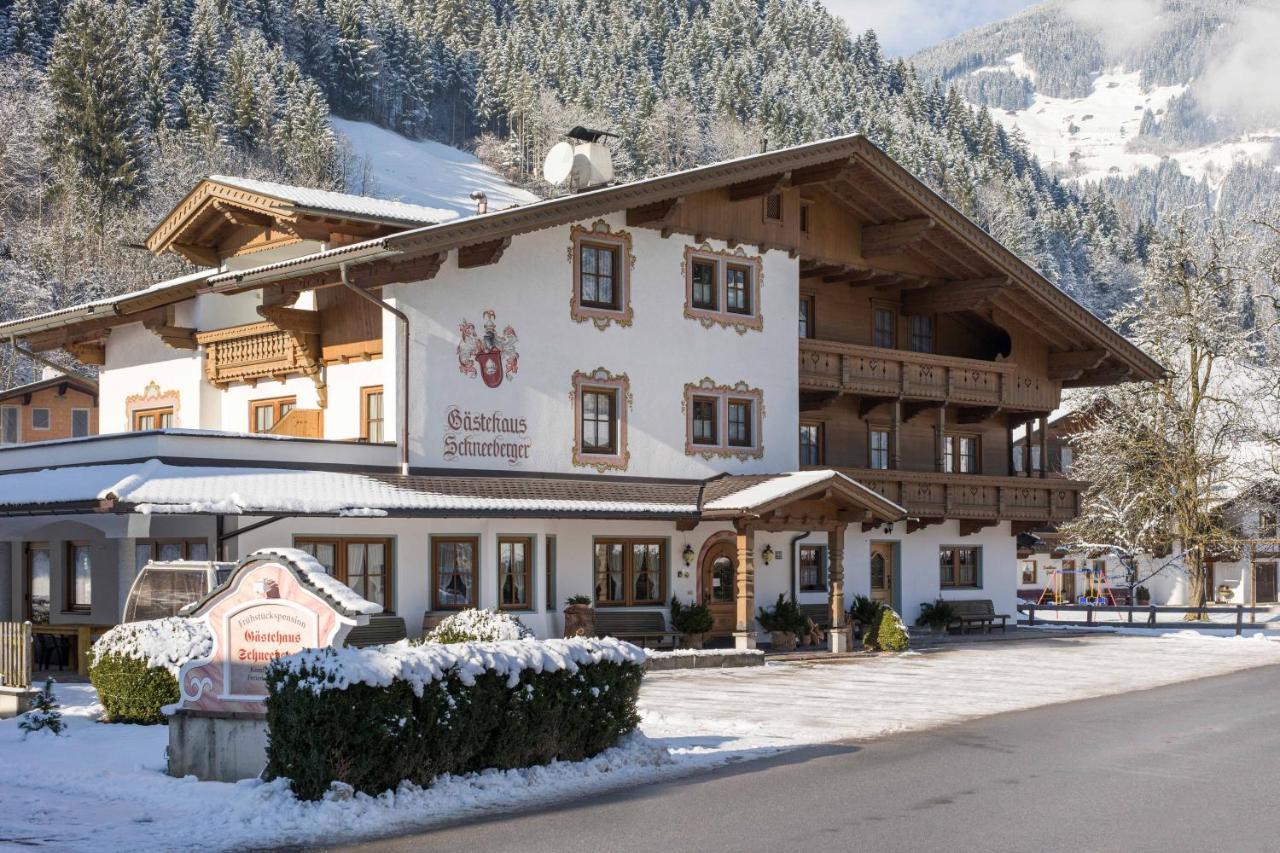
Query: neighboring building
[798,371]
[57,407]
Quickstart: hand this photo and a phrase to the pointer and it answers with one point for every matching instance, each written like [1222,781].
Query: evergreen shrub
[372,718]
[887,634]
[134,666]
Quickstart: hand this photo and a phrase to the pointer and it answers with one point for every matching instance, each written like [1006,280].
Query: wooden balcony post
[744,635]
[895,441]
[1026,446]
[940,444]
[1008,429]
[838,637]
[1044,445]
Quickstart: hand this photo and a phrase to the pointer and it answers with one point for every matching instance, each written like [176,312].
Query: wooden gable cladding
[350,327]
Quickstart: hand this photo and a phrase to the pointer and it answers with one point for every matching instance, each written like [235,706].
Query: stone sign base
[217,746]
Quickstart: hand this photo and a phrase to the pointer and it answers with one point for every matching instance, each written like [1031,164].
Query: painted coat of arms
[493,355]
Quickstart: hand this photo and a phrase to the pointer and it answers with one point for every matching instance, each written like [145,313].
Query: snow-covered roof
[177,288]
[749,494]
[335,202]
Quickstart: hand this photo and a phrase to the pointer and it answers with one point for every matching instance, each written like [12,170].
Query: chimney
[481,200]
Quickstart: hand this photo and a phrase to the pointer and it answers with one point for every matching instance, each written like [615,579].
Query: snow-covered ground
[425,172]
[102,787]
[1088,138]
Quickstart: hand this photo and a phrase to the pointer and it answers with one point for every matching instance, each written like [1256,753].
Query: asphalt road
[1195,766]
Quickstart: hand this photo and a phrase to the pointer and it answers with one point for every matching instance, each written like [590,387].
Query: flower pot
[783,641]
[693,641]
[579,620]
[1144,602]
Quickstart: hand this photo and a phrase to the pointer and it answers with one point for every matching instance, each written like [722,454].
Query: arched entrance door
[719,576]
[882,572]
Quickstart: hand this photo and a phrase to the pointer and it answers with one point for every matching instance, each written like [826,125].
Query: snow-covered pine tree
[45,714]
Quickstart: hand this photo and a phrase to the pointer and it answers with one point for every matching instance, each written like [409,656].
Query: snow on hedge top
[482,626]
[316,575]
[357,205]
[421,665]
[169,642]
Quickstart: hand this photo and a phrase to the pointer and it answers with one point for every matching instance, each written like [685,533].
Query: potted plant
[691,620]
[1142,595]
[937,616]
[862,614]
[783,621]
[579,617]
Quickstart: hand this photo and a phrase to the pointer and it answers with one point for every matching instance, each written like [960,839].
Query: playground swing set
[1097,591]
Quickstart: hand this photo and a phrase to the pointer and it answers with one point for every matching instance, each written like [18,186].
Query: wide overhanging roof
[157,487]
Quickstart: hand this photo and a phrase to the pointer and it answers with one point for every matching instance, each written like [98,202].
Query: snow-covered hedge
[478,626]
[134,666]
[374,717]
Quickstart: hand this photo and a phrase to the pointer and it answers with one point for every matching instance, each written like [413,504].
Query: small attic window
[773,207]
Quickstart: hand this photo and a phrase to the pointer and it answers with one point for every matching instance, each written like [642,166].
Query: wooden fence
[1150,613]
[15,654]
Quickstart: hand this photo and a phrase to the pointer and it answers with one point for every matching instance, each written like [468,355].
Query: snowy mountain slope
[423,172]
[1107,89]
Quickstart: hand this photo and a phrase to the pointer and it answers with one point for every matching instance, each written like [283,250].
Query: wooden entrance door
[1265,578]
[882,572]
[719,580]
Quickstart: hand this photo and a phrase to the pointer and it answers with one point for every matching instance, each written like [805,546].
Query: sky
[905,26]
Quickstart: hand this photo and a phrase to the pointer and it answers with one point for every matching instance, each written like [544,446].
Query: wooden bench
[381,631]
[978,611]
[636,626]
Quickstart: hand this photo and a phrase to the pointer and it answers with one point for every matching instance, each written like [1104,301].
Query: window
[148,419]
[79,589]
[737,289]
[79,423]
[960,454]
[168,550]
[1035,458]
[806,315]
[1266,525]
[630,571]
[740,421]
[1064,456]
[722,287]
[600,401]
[921,333]
[599,420]
[453,572]
[549,563]
[958,567]
[806,215]
[597,283]
[704,420]
[39,601]
[40,419]
[813,568]
[811,449]
[360,563]
[515,572]
[265,414]
[9,419]
[371,417]
[1028,571]
[738,407]
[773,207]
[602,260]
[878,449]
[884,332]
[704,285]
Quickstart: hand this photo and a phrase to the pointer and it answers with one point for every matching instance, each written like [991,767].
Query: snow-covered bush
[887,634]
[134,666]
[44,715]
[478,626]
[374,717]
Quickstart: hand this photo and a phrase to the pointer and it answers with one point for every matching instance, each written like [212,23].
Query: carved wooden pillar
[838,638]
[1008,429]
[1044,445]
[895,443]
[940,448]
[744,635]
[1026,446]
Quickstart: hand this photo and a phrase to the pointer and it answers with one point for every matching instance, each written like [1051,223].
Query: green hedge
[374,736]
[887,634]
[130,690]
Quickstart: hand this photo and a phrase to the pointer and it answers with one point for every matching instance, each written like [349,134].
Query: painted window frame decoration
[620,383]
[721,315]
[601,234]
[153,398]
[723,448]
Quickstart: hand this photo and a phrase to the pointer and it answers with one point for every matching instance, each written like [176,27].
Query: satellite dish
[581,168]
[559,164]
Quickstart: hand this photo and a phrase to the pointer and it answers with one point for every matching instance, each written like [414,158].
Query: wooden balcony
[258,351]
[975,497]
[902,374]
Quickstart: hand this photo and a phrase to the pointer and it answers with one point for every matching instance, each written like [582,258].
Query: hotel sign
[270,607]
[472,435]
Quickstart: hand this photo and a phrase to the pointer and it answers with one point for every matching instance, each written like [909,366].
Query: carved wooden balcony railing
[925,494]
[260,351]
[893,373]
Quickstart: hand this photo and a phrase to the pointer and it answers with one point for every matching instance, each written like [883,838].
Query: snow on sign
[275,603]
